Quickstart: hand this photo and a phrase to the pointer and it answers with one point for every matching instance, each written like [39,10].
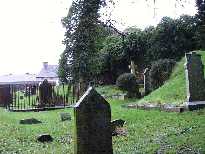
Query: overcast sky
[31,30]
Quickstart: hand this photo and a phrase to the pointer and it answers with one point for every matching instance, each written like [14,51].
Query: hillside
[174,90]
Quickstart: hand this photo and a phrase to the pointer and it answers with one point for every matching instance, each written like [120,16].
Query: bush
[160,72]
[127,82]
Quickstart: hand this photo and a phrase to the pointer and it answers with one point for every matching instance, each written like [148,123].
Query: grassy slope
[174,90]
[108,90]
[148,131]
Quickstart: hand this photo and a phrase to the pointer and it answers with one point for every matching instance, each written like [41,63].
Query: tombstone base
[195,105]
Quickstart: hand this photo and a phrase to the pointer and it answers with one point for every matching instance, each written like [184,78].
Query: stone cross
[146,81]
[92,116]
[195,83]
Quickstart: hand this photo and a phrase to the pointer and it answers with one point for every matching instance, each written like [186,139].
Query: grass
[148,131]
[16,138]
[108,90]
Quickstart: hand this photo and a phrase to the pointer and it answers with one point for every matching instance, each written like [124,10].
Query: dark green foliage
[127,82]
[97,52]
[135,46]
[160,72]
[172,38]
[64,70]
[81,38]
[200,4]
[112,60]
[84,38]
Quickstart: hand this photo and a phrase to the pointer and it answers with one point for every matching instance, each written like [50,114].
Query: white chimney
[45,65]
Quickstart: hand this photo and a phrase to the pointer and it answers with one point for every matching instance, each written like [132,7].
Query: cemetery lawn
[148,131]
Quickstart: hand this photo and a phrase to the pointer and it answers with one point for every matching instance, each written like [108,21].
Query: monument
[195,82]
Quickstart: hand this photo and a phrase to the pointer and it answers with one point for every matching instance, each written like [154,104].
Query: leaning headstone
[146,82]
[65,116]
[92,115]
[45,138]
[195,83]
[30,121]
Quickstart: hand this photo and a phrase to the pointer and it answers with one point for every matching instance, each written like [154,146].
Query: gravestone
[44,138]
[92,115]
[195,83]
[33,90]
[30,121]
[146,81]
[117,127]
[45,93]
[133,68]
[65,116]
[5,95]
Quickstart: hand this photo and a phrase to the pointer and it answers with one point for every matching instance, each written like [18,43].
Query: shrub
[127,82]
[160,72]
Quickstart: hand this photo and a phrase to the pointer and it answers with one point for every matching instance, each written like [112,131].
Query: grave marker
[45,93]
[5,95]
[195,83]
[92,115]
[146,82]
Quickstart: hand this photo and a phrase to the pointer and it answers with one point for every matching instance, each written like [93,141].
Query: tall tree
[81,34]
[64,70]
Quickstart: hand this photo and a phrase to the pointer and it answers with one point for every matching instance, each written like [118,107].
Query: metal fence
[25,97]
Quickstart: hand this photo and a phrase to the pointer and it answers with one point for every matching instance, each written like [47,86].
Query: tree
[82,31]
[64,70]
[201,22]
[172,38]
[186,34]
[86,44]
[135,46]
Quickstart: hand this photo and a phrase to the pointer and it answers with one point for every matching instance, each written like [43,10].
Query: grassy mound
[174,90]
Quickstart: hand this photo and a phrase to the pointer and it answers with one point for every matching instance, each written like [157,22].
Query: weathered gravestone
[44,138]
[5,95]
[195,83]
[65,116]
[146,81]
[30,121]
[45,93]
[92,115]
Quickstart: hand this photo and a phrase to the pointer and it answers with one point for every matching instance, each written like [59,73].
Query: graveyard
[119,87]
[144,131]
[147,131]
